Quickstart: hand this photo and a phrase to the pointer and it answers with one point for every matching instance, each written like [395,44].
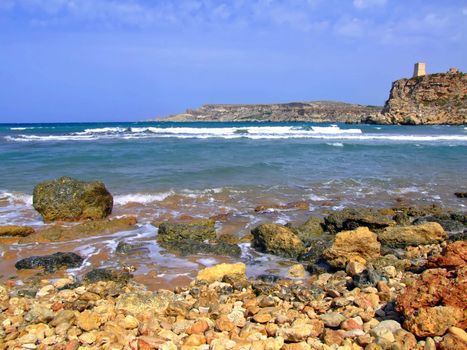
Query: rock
[88,320]
[354,268]
[15,231]
[386,325]
[125,248]
[448,224]
[435,302]
[195,230]
[310,230]
[191,247]
[68,199]
[460,194]
[453,256]
[302,205]
[107,274]
[414,235]
[85,229]
[459,333]
[145,302]
[332,319]
[217,272]
[297,270]
[50,263]
[429,99]
[367,278]
[451,342]
[333,337]
[350,219]
[278,240]
[352,245]
[300,332]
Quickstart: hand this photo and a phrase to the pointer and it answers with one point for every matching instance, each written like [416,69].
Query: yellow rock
[297,270]
[217,272]
[459,333]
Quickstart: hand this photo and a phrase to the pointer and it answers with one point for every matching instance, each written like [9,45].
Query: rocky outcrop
[431,99]
[278,240]
[358,245]
[351,218]
[317,111]
[68,199]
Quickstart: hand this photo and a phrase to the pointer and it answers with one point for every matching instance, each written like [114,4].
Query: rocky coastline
[361,278]
[424,100]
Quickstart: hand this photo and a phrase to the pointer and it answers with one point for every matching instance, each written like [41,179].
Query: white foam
[331,133]
[141,198]
[16,198]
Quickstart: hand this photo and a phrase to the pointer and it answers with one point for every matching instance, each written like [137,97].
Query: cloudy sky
[113,60]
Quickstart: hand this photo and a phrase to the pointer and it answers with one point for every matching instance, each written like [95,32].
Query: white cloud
[363,4]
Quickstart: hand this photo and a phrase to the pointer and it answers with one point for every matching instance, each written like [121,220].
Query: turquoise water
[164,171]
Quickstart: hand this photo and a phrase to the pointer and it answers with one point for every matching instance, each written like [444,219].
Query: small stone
[386,335]
[224,324]
[217,272]
[352,323]
[332,319]
[390,271]
[459,333]
[88,320]
[195,340]
[354,268]
[130,322]
[198,327]
[297,270]
[88,337]
[429,344]
[45,291]
[262,318]
[333,337]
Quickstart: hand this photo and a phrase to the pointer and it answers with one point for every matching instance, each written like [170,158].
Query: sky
[128,60]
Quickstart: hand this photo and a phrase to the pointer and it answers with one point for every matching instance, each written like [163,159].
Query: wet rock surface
[51,263]
[278,240]
[413,235]
[191,247]
[15,231]
[195,230]
[68,199]
[350,219]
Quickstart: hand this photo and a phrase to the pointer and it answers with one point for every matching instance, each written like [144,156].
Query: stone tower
[419,69]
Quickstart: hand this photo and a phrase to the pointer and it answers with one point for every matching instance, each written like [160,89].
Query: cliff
[318,111]
[431,99]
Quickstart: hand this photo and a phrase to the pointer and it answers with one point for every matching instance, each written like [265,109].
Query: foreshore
[365,278]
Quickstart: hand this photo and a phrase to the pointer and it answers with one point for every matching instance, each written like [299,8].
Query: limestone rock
[278,240]
[217,272]
[50,263]
[358,244]
[195,230]
[145,302]
[350,219]
[413,235]
[14,231]
[68,199]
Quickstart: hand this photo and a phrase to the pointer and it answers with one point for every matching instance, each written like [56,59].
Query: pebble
[332,319]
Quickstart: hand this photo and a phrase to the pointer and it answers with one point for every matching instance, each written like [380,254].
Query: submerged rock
[68,199]
[129,248]
[358,245]
[195,230]
[350,219]
[191,247]
[86,229]
[15,231]
[278,240]
[50,263]
[107,274]
[461,194]
[413,235]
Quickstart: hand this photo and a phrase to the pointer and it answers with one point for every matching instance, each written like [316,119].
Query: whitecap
[141,198]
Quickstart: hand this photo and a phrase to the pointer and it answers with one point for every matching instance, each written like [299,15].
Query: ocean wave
[15,198]
[141,198]
[330,133]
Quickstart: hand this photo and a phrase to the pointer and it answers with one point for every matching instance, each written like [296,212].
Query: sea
[161,171]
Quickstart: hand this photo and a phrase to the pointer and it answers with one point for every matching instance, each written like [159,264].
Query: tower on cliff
[419,69]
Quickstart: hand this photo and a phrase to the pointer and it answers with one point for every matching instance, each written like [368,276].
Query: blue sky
[116,60]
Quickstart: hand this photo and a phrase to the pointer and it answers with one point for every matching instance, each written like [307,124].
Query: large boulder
[412,235]
[350,219]
[357,245]
[195,230]
[436,301]
[309,231]
[278,240]
[68,199]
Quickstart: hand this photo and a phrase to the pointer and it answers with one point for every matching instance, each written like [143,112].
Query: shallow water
[160,171]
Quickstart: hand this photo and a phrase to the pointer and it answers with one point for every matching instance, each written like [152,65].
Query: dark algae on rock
[50,263]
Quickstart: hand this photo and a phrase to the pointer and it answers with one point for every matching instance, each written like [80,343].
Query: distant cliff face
[431,99]
[319,111]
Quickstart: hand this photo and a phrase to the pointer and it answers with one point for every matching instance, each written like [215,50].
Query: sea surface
[163,171]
